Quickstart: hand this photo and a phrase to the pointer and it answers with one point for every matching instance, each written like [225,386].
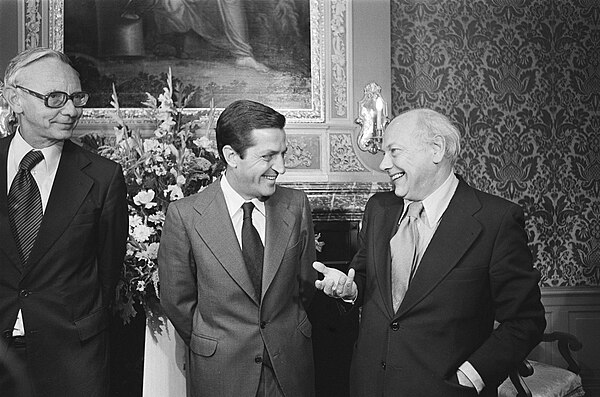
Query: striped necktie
[25,205]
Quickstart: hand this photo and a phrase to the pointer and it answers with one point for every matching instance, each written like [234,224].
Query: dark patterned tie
[252,248]
[25,205]
[403,247]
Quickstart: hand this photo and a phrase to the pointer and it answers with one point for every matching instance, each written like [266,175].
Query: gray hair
[26,58]
[431,124]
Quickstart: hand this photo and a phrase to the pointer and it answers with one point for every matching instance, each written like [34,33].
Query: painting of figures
[222,50]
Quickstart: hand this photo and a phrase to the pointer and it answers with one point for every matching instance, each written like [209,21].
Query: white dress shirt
[234,205]
[43,173]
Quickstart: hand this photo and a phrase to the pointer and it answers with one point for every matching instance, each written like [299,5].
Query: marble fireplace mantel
[344,201]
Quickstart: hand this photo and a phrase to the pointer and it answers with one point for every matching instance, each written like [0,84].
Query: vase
[164,358]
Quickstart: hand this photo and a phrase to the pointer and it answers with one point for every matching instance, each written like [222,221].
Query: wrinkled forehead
[48,73]
[400,129]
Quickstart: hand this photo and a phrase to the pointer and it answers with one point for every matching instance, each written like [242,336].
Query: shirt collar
[436,203]
[234,201]
[20,148]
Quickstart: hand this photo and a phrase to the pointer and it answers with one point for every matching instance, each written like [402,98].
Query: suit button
[383,365]
[258,359]
[24,293]
[263,324]
[395,326]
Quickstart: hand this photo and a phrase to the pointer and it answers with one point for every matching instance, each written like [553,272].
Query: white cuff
[471,373]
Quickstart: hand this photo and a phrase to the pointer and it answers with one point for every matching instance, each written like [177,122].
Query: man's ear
[232,158]
[13,98]
[438,146]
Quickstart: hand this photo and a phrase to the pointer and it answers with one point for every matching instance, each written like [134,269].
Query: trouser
[268,386]
[14,376]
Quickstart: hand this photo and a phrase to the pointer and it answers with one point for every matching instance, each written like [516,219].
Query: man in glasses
[63,227]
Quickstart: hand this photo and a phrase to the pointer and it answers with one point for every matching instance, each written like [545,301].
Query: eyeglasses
[57,99]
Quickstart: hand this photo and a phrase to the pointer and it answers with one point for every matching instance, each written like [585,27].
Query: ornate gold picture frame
[295,88]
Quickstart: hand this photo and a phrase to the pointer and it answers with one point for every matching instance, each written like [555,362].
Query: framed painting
[269,51]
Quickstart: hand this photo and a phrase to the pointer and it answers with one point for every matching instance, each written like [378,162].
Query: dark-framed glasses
[57,99]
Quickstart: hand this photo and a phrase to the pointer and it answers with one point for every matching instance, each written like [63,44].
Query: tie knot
[248,207]
[415,209]
[30,160]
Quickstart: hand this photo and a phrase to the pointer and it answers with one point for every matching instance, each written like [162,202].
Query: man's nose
[279,165]
[386,163]
[70,109]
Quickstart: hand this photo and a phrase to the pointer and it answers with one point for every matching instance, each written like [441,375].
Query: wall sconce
[372,119]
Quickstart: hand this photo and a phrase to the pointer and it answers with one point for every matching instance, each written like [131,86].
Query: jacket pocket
[203,345]
[86,218]
[305,327]
[92,324]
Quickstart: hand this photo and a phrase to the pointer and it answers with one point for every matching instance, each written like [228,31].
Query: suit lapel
[279,223]
[71,186]
[215,228]
[456,232]
[9,246]
[388,217]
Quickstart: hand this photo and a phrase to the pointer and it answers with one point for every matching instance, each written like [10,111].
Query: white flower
[144,197]
[158,218]
[158,170]
[141,286]
[155,281]
[152,145]
[203,142]
[174,192]
[150,253]
[142,233]
[135,220]
[167,124]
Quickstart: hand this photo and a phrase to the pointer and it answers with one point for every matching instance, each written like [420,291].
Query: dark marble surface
[339,201]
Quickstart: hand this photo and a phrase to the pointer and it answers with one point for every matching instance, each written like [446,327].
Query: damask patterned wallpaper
[521,79]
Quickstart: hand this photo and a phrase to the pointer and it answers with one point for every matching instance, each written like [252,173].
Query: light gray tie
[403,247]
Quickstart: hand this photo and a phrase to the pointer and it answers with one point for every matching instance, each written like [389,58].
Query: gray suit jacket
[207,293]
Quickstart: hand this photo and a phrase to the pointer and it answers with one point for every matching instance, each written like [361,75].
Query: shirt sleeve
[471,373]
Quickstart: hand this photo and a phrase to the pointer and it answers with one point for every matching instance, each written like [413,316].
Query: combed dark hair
[237,121]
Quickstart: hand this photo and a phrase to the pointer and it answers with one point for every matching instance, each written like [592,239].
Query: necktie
[252,248]
[403,247]
[25,205]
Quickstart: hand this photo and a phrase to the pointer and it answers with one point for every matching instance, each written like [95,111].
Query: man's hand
[335,283]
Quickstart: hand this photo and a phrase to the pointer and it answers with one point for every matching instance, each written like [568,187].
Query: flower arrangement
[179,160]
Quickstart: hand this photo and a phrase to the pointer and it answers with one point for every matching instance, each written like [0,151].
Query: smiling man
[63,228]
[235,267]
[438,262]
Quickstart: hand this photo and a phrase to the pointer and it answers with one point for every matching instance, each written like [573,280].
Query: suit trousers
[268,385]
[13,371]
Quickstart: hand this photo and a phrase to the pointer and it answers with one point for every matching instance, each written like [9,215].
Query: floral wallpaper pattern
[521,79]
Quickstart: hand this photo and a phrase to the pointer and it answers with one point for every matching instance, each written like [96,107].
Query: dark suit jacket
[477,268]
[68,284]
[207,294]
